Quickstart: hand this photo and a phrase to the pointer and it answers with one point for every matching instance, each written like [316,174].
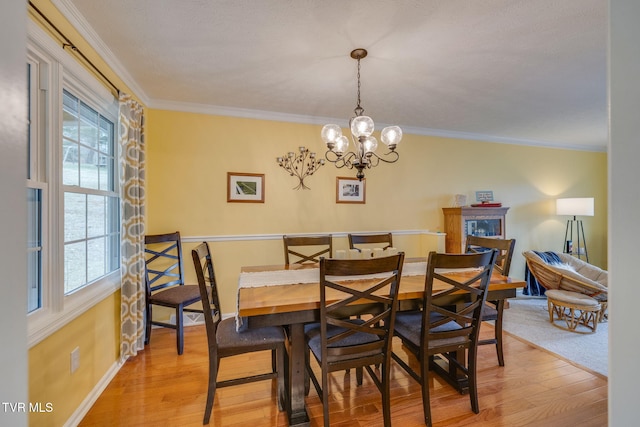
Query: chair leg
[498,331]
[471,376]
[424,382]
[147,333]
[274,361]
[359,376]
[211,392]
[325,395]
[307,378]
[179,330]
[278,354]
[386,393]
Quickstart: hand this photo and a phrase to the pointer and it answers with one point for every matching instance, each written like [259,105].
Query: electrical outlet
[75,359]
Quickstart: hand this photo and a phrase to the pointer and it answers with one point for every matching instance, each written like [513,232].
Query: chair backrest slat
[368,239]
[452,317]
[163,261]
[321,245]
[377,295]
[477,244]
[207,284]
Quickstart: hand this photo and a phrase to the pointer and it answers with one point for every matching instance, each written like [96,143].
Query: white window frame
[58,70]
[36,179]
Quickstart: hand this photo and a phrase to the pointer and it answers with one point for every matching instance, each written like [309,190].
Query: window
[91,215]
[36,191]
[34,249]
[72,190]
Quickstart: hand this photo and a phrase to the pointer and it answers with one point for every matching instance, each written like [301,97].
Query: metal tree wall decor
[300,165]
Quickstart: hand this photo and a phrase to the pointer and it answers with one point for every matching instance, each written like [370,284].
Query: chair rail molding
[245,237]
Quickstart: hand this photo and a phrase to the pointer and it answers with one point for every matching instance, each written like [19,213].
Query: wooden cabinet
[464,221]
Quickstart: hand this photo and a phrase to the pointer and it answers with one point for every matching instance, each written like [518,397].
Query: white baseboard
[188,319]
[91,398]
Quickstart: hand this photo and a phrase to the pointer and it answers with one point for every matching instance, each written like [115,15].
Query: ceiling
[516,71]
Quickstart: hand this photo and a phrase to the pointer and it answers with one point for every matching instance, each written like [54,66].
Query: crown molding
[73,15]
[216,110]
[83,80]
[500,139]
[321,121]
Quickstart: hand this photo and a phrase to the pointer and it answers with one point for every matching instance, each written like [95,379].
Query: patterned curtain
[132,183]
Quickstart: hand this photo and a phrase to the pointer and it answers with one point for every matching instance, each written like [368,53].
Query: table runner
[311,275]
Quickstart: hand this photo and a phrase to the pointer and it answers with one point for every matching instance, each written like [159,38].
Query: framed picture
[245,187]
[350,190]
[484,196]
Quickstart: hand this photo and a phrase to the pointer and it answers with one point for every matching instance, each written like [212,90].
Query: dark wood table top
[261,300]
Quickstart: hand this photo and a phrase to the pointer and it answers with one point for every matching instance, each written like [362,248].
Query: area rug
[528,319]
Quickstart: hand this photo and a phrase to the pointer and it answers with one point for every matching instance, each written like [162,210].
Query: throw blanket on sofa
[533,287]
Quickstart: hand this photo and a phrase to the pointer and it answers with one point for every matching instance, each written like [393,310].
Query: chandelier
[364,155]
[301,165]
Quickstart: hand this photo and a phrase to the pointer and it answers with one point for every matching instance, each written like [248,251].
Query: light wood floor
[535,388]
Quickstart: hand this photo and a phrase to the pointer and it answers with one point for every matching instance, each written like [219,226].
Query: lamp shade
[577,206]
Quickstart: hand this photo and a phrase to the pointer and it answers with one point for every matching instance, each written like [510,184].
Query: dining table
[289,296]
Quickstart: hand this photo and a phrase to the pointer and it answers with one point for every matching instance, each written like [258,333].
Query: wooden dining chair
[385,239]
[164,280]
[447,324]
[340,342]
[494,310]
[225,341]
[294,246]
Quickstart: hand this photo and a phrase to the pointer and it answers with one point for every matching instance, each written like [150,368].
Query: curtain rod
[68,43]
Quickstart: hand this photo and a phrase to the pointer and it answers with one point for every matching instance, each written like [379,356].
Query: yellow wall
[189,155]
[97,334]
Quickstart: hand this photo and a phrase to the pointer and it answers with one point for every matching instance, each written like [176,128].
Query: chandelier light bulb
[369,144]
[341,145]
[330,133]
[362,126]
[391,136]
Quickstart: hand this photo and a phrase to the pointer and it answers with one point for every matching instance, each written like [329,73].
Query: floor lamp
[575,207]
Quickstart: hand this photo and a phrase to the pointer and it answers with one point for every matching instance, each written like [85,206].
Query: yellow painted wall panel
[189,155]
[97,334]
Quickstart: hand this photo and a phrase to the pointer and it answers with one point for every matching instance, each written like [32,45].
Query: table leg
[449,372]
[297,411]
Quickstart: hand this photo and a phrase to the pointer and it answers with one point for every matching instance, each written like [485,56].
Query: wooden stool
[579,312]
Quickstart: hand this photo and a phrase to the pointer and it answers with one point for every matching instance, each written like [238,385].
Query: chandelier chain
[359,111]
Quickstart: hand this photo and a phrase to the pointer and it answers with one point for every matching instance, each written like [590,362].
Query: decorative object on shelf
[301,165]
[484,196]
[350,190]
[486,200]
[363,156]
[245,187]
[575,206]
[459,200]
[486,205]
